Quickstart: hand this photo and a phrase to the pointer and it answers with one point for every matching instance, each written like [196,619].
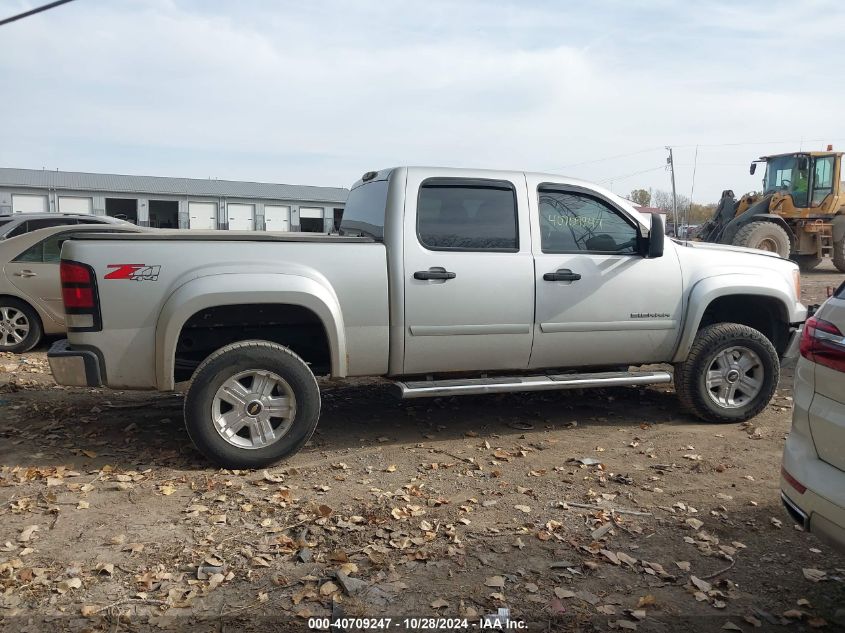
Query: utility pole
[670,161]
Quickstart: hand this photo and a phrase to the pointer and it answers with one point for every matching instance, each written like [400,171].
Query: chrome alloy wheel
[253,409]
[735,377]
[14,326]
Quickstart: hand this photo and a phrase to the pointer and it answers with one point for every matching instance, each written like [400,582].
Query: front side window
[789,174]
[473,215]
[822,179]
[572,222]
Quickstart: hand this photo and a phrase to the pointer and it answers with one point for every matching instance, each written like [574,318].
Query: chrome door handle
[26,273]
[562,274]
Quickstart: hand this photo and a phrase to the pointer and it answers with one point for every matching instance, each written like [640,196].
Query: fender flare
[705,291]
[234,289]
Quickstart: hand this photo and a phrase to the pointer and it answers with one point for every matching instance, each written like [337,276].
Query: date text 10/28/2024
[498,622]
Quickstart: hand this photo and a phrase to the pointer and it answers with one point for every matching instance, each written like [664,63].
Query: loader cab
[809,178]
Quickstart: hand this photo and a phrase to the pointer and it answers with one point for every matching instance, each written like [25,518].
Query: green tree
[641,197]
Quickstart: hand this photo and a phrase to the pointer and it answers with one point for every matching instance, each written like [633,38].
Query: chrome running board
[507,384]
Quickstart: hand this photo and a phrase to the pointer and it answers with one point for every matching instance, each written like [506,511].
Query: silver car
[22,223]
[30,290]
[813,472]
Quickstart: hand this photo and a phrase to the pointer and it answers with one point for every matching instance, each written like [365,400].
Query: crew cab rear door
[599,301]
[468,271]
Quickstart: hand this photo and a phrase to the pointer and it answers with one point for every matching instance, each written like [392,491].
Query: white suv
[813,472]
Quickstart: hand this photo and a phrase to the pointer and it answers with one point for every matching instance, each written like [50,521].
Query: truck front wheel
[730,374]
[250,404]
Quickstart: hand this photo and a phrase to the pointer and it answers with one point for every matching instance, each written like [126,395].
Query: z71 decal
[133,272]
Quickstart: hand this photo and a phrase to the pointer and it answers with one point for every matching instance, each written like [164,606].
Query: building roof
[117,183]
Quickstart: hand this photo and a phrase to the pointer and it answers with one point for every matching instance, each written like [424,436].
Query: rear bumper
[74,367]
[820,508]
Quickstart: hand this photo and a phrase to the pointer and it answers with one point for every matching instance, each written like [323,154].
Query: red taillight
[79,293]
[792,481]
[78,297]
[823,343]
[73,273]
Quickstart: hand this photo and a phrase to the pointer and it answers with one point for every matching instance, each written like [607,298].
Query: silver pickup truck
[446,281]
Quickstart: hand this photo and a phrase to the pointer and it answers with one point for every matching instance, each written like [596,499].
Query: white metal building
[174,202]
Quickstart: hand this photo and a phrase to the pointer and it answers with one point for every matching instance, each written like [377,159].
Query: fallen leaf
[683,565]
[702,585]
[564,593]
[66,585]
[328,588]
[525,509]
[495,581]
[813,575]
[440,603]
[730,626]
[166,489]
[390,469]
[27,533]
[646,601]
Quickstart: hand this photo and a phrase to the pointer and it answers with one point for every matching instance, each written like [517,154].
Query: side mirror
[656,236]
[752,169]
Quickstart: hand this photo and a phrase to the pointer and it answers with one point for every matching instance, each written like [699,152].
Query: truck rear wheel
[730,374]
[764,236]
[250,404]
[839,255]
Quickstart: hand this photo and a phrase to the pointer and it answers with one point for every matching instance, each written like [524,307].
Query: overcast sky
[319,91]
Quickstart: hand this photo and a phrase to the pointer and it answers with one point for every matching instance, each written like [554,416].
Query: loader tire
[839,255]
[764,236]
[729,375]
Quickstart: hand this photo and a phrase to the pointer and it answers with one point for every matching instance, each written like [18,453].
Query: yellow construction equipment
[800,213]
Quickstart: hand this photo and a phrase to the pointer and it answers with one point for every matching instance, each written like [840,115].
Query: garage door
[311,220]
[276,217]
[25,203]
[241,216]
[203,215]
[72,204]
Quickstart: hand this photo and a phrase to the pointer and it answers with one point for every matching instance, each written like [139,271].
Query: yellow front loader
[800,213]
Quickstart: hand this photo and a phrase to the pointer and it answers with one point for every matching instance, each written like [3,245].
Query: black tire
[839,255]
[765,236]
[691,375]
[11,306]
[229,362]
[806,262]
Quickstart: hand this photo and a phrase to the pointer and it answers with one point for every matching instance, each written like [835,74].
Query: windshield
[785,174]
[364,212]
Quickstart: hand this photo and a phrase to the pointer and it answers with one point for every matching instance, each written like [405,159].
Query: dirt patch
[594,510]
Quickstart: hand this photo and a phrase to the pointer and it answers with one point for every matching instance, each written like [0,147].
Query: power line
[601,160]
[636,173]
[26,14]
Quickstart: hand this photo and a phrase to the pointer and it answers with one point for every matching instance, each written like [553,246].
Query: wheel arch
[747,301]
[218,291]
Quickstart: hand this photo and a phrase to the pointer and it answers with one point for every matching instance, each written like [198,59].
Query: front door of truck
[599,301]
[468,270]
